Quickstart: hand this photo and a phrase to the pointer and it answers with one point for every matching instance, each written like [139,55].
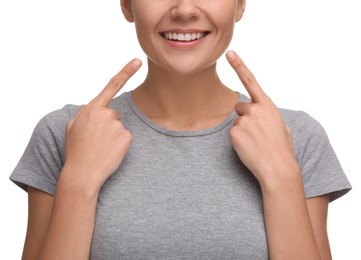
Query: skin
[182,95]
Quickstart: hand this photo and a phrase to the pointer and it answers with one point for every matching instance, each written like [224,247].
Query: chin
[186,67]
[189,70]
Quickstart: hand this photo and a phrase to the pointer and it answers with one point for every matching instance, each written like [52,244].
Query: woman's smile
[184,39]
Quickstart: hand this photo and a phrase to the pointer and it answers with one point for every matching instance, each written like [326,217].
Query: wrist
[78,183]
[282,179]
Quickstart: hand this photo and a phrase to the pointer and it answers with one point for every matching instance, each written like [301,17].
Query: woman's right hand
[96,140]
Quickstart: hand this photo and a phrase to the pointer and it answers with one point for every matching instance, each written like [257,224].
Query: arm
[317,210]
[71,224]
[66,222]
[40,205]
[295,228]
[59,227]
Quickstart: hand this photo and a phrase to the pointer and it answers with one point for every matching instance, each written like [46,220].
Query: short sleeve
[321,170]
[43,158]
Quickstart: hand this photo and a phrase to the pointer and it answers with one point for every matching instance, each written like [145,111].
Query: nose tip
[185,10]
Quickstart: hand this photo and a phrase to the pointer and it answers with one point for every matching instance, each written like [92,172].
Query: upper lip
[184,31]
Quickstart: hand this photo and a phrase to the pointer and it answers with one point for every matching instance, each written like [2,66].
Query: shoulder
[307,132]
[43,158]
[49,134]
[321,170]
[301,123]
[57,120]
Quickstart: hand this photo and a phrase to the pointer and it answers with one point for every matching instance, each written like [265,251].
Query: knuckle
[127,137]
[236,121]
[289,131]
[267,99]
[115,84]
[92,114]
[238,107]
[114,114]
[237,64]
[108,114]
[124,75]
[234,132]
[128,71]
[248,79]
[253,109]
[69,125]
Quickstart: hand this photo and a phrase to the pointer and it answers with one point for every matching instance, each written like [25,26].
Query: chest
[180,200]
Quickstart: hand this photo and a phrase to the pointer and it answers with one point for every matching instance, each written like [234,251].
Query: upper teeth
[183,36]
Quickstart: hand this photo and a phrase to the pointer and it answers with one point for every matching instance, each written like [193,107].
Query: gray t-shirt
[180,194]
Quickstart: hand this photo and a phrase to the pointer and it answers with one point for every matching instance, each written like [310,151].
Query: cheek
[146,19]
[145,32]
[145,38]
[228,15]
[225,28]
[143,18]
[224,21]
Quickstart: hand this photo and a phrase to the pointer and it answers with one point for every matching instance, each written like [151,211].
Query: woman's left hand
[259,135]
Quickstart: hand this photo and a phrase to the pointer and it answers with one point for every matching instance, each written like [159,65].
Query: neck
[186,99]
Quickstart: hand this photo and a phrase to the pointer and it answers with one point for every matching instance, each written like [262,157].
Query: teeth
[184,37]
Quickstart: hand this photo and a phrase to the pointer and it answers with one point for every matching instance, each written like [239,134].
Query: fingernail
[231,55]
[136,63]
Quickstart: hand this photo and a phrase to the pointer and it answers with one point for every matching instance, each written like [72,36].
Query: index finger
[116,83]
[246,76]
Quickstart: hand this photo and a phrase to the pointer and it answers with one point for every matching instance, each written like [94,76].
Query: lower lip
[184,44]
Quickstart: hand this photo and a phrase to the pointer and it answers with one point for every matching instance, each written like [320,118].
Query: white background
[306,55]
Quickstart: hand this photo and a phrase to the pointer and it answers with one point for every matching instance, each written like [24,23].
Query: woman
[181,167]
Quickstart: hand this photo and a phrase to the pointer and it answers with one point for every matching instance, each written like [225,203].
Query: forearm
[289,230]
[71,226]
